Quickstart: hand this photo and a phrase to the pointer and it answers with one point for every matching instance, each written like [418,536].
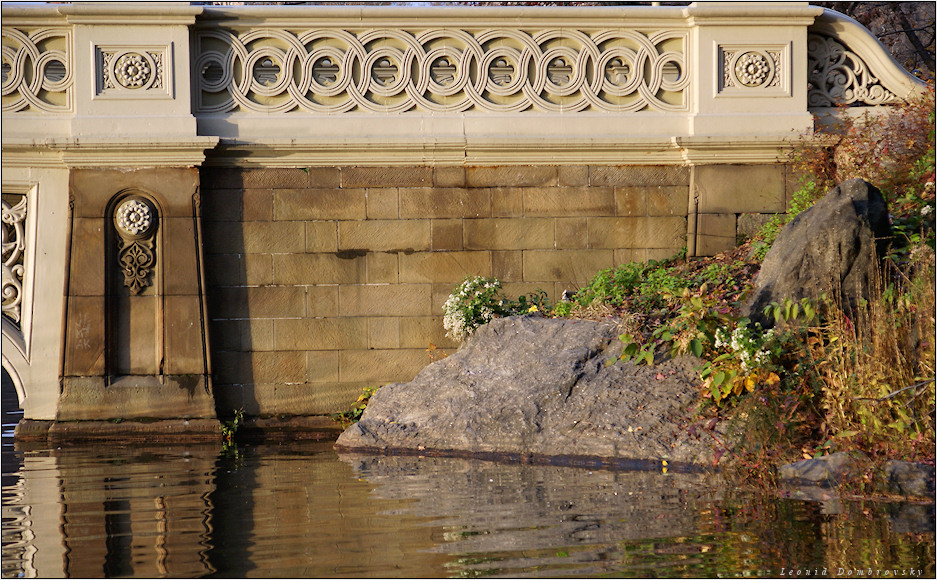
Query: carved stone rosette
[135,221]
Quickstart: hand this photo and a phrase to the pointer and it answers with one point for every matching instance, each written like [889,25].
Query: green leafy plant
[229,429]
[353,414]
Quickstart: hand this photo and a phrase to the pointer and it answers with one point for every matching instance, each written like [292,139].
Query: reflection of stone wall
[326,280]
[143,514]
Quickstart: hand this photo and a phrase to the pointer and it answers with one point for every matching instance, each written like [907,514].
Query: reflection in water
[302,511]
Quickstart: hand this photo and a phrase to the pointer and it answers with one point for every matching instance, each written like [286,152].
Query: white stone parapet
[320,85]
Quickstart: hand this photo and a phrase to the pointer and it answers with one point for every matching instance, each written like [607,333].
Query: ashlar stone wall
[322,281]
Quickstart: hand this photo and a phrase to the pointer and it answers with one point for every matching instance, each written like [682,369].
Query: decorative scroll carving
[135,221]
[838,76]
[440,70]
[37,70]
[14,249]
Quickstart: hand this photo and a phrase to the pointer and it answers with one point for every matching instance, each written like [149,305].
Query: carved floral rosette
[14,248]
[135,220]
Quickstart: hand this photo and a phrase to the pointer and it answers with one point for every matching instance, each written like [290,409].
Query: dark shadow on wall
[228,304]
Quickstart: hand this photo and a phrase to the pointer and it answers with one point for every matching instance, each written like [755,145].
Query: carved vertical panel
[135,220]
[14,251]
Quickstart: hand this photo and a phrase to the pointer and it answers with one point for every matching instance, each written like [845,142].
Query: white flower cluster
[470,306]
[743,342]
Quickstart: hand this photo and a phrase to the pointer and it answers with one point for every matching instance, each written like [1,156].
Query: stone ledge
[130,432]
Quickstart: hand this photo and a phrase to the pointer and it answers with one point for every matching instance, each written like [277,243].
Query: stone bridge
[265,207]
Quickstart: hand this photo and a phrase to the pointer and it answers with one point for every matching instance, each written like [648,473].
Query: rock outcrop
[530,386]
[830,248]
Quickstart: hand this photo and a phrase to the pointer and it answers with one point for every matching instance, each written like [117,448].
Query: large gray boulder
[830,248]
[530,386]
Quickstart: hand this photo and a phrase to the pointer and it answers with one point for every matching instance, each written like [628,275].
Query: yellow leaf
[749,384]
[772,379]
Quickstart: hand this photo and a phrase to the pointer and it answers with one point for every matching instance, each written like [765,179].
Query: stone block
[638,175]
[320,333]
[724,189]
[276,367]
[441,292]
[573,175]
[514,290]
[221,205]
[448,176]
[661,253]
[180,272]
[322,366]
[715,233]
[88,256]
[507,265]
[319,204]
[258,302]
[270,238]
[321,236]
[381,268]
[257,205]
[134,335]
[447,234]
[323,177]
[384,300]
[381,366]
[310,269]
[381,203]
[182,320]
[239,397]
[750,224]
[224,269]
[508,234]
[628,255]
[385,235]
[419,176]
[451,267]
[631,201]
[225,334]
[85,338]
[668,200]
[273,178]
[422,331]
[173,188]
[572,233]
[384,332]
[507,202]
[628,232]
[314,399]
[511,176]
[567,266]
[569,201]
[221,178]
[426,202]
[321,301]
[256,334]
[258,269]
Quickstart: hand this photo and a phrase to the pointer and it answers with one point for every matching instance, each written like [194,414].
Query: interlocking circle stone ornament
[134,218]
[752,69]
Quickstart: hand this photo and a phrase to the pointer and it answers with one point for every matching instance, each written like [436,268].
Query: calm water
[300,510]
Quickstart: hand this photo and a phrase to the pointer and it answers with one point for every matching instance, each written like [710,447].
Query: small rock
[829,471]
[907,478]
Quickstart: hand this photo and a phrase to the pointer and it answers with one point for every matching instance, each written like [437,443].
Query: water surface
[300,510]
